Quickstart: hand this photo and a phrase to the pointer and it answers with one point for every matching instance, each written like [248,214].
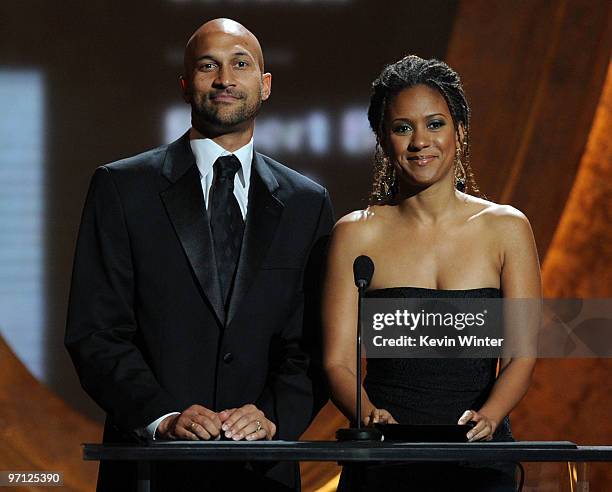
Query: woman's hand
[379,416]
[484,428]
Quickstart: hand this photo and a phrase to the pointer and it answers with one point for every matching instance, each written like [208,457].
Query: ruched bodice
[432,391]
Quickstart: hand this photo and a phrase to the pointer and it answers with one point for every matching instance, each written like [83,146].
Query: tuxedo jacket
[147,329]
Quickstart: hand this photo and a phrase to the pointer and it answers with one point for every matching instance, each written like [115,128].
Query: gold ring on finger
[258,426]
[192,425]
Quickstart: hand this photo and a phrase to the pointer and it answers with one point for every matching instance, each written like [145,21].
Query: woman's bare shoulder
[360,227]
[502,220]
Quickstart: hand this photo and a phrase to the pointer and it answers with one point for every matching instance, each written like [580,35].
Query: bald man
[193,308]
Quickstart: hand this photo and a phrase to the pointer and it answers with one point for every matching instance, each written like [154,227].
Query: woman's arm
[340,298]
[520,279]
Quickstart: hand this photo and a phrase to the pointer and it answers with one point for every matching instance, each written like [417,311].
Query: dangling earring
[390,179]
[460,174]
[384,185]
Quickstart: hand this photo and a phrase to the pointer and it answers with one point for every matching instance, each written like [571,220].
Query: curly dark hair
[403,74]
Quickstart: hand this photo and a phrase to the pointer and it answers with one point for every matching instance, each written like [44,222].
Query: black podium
[345,452]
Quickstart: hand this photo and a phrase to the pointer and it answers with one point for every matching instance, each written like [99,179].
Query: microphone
[363,269]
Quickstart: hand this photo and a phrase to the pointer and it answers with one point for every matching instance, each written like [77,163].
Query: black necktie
[226,221]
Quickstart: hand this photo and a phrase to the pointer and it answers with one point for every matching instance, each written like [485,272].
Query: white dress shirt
[206,152]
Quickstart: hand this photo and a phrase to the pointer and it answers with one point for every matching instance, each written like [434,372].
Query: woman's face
[420,137]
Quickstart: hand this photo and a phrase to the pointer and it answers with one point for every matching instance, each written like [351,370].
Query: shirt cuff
[150,430]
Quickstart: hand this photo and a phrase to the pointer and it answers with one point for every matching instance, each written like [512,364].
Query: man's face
[225,86]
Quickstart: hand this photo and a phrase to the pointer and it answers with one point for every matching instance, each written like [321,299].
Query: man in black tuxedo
[191,310]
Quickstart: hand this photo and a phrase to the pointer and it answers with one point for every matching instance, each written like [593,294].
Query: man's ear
[185,89]
[266,89]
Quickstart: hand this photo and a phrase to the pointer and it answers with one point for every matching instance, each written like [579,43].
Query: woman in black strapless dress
[429,237]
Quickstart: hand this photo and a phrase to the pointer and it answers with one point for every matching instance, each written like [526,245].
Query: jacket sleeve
[296,388]
[101,332]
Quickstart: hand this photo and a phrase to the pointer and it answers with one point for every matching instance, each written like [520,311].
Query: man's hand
[246,422]
[193,424]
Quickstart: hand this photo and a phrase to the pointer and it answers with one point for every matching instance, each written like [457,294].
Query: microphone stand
[359,433]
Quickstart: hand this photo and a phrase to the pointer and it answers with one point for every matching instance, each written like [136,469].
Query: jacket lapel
[264,213]
[185,206]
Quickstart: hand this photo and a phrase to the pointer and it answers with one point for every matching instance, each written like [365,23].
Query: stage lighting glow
[356,137]
[312,133]
[22,214]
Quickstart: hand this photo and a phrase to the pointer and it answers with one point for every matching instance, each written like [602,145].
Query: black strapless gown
[431,391]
